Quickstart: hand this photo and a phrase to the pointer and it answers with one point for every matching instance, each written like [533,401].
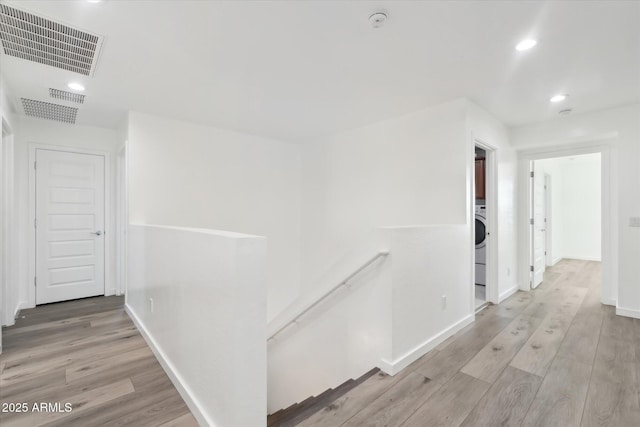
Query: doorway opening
[483,280]
[566,212]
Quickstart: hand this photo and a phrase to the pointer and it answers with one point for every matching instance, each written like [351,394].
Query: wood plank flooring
[87,353]
[550,357]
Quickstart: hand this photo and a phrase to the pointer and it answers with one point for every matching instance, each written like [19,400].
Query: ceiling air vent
[47,110]
[66,96]
[41,40]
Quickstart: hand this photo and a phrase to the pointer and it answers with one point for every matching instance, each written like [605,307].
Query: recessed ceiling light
[558,98]
[526,44]
[76,86]
[94,1]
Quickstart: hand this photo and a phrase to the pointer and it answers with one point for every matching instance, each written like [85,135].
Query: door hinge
[532,268]
[531,221]
[531,174]
[35,165]
[35,223]
[35,281]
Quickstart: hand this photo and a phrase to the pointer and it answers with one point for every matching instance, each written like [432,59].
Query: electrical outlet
[444,302]
[634,221]
[151,305]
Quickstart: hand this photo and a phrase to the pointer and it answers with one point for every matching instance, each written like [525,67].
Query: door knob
[98,233]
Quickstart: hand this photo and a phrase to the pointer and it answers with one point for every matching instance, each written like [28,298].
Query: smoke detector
[378,19]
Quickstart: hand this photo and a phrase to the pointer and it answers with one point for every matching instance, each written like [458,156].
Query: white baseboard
[582,258]
[10,320]
[176,379]
[392,368]
[609,302]
[555,261]
[506,294]
[627,312]
[22,305]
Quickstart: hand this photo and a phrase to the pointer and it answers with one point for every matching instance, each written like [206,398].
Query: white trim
[19,307]
[411,356]
[582,258]
[506,294]
[627,312]
[172,373]
[121,219]
[10,292]
[609,290]
[555,261]
[548,215]
[108,204]
[610,302]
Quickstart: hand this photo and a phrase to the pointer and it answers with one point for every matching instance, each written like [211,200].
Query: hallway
[87,353]
[554,356]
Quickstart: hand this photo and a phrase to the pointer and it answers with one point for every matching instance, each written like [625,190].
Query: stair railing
[342,283]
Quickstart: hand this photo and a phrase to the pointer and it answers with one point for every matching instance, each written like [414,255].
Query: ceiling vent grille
[66,96]
[37,39]
[47,110]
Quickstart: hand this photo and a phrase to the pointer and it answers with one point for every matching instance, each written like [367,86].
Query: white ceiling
[292,70]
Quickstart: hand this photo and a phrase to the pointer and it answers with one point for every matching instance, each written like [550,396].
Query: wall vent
[41,40]
[47,110]
[66,96]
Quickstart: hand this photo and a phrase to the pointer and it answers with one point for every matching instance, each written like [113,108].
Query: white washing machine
[481,245]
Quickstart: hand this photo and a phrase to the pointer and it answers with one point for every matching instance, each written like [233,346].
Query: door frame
[108,224]
[491,202]
[8,241]
[609,290]
[122,219]
[532,226]
[548,258]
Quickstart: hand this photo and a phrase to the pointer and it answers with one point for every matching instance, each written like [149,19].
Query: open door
[538,228]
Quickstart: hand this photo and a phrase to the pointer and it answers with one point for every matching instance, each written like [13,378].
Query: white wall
[431,289]
[206,323]
[619,128]
[576,206]
[29,130]
[185,174]
[409,170]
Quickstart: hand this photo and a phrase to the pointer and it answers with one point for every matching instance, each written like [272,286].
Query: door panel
[70,208]
[539,235]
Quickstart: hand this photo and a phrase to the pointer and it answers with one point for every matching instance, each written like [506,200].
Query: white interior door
[538,229]
[70,205]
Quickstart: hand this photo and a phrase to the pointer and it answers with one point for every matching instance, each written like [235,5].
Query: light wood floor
[551,357]
[87,353]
